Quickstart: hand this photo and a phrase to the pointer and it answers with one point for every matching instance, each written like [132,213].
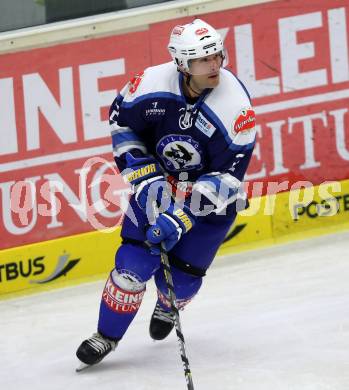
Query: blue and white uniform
[201,146]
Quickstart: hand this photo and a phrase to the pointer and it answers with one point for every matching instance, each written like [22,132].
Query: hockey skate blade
[82,367]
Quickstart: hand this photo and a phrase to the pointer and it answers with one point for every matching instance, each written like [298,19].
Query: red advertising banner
[293,57]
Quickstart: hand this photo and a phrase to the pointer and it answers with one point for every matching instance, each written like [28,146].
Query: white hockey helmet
[194,40]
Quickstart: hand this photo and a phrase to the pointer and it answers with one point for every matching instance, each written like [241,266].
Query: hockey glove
[147,180]
[169,227]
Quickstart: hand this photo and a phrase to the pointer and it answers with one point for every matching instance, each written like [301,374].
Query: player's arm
[137,166]
[143,171]
[217,191]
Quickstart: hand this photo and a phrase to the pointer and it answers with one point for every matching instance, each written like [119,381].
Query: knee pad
[123,292]
[127,280]
[125,287]
[185,285]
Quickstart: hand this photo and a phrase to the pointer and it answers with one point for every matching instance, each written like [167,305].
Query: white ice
[271,319]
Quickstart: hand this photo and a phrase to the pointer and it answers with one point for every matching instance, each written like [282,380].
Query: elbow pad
[214,192]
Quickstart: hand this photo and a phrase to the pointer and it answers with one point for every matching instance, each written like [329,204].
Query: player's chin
[213,80]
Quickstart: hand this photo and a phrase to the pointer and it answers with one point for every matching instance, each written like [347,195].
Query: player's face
[205,81]
[205,71]
[206,65]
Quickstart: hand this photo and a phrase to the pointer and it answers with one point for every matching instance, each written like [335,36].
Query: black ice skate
[161,323]
[94,349]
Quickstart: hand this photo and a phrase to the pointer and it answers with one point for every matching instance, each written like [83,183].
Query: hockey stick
[173,301]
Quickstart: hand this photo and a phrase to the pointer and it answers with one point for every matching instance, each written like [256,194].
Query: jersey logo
[180,152]
[186,119]
[204,125]
[155,110]
[134,83]
[245,120]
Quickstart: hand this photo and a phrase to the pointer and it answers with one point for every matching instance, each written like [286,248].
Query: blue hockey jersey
[212,138]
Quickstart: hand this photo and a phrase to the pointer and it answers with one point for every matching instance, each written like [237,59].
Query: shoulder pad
[160,78]
[230,104]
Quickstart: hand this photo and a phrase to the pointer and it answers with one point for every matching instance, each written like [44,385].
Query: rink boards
[270,219]
[58,185]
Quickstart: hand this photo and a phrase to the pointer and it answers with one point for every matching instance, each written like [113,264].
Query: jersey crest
[180,152]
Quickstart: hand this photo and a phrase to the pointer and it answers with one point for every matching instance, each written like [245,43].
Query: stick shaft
[174,308]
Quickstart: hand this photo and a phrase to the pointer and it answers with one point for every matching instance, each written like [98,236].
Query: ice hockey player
[183,133]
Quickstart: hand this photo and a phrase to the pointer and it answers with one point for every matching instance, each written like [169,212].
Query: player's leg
[189,260]
[186,286]
[121,299]
[123,291]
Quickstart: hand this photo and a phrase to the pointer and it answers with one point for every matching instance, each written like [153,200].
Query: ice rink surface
[271,319]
